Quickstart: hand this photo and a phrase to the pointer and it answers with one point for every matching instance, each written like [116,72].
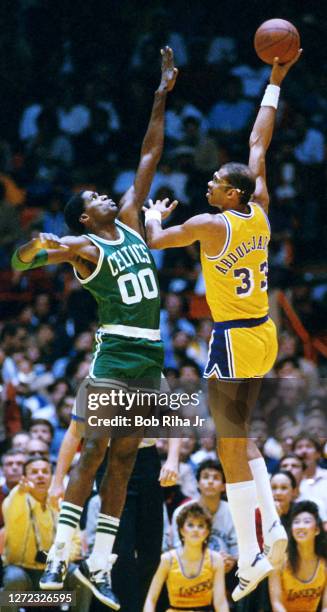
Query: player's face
[99,207]
[218,188]
[304,527]
[195,530]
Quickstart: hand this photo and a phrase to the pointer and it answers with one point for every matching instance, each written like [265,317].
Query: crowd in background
[76,93]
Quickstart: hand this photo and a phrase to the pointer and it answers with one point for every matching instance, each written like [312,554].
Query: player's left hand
[163,206]
[168,474]
[168,70]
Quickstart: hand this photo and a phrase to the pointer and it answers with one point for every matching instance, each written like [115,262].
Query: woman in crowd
[194,575]
[300,585]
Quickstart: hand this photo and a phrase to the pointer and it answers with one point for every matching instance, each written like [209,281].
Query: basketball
[276,38]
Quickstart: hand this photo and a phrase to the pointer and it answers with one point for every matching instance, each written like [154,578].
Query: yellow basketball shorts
[243,348]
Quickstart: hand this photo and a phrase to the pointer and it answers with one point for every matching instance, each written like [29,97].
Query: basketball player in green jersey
[112,261]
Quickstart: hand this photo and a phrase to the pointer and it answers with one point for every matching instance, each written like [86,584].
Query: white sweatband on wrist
[271,96]
[152,215]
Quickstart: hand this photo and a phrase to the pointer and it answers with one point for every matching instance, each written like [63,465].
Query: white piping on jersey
[131,332]
[83,281]
[129,229]
[227,241]
[230,357]
[118,241]
[243,215]
[98,341]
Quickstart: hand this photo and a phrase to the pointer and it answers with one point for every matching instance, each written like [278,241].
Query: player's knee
[92,454]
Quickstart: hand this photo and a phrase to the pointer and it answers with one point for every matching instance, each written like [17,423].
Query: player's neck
[109,233]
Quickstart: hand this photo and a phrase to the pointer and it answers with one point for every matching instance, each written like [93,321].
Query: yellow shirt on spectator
[20,542]
[304,596]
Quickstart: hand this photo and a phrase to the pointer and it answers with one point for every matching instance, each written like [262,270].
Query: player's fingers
[150,202]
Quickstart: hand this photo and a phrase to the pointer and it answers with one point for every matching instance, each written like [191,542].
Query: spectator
[203,589]
[37,447]
[314,482]
[30,526]
[12,463]
[295,465]
[41,429]
[64,412]
[231,115]
[19,441]
[301,583]
[211,484]
[9,228]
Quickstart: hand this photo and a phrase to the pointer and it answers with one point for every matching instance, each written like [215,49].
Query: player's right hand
[164,206]
[55,495]
[48,241]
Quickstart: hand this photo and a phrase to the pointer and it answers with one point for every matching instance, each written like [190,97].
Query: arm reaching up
[263,130]
[133,200]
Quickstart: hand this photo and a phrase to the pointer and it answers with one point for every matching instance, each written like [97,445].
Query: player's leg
[231,404]
[78,489]
[95,572]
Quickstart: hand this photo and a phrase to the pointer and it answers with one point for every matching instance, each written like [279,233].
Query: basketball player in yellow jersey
[243,346]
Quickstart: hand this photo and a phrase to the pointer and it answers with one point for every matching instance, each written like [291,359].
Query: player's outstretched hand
[48,241]
[168,70]
[168,474]
[279,71]
[163,206]
[55,495]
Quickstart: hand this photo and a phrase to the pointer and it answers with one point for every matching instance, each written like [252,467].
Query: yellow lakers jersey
[186,592]
[305,596]
[236,278]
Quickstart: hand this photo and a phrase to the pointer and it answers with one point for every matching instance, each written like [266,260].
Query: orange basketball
[276,38]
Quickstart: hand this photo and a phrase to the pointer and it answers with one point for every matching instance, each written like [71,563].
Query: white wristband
[152,215]
[271,96]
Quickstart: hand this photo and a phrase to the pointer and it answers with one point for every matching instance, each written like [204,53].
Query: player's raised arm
[133,200]
[263,128]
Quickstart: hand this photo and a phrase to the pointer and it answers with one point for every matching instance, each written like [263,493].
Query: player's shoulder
[81,240]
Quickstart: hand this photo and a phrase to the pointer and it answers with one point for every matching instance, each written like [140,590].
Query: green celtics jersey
[125,283]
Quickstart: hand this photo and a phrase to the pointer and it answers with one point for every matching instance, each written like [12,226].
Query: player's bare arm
[132,201]
[261,135]
[207,229]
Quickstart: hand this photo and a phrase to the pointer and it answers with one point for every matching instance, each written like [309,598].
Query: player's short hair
[241,177]
[193,510]
[210,464]
[72,212]
[33,459]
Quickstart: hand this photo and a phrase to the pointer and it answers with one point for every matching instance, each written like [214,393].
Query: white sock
[107,527]
[68,521]
[242,500]
[266,502]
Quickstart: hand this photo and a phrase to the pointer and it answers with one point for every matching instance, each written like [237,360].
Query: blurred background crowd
[77,87]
